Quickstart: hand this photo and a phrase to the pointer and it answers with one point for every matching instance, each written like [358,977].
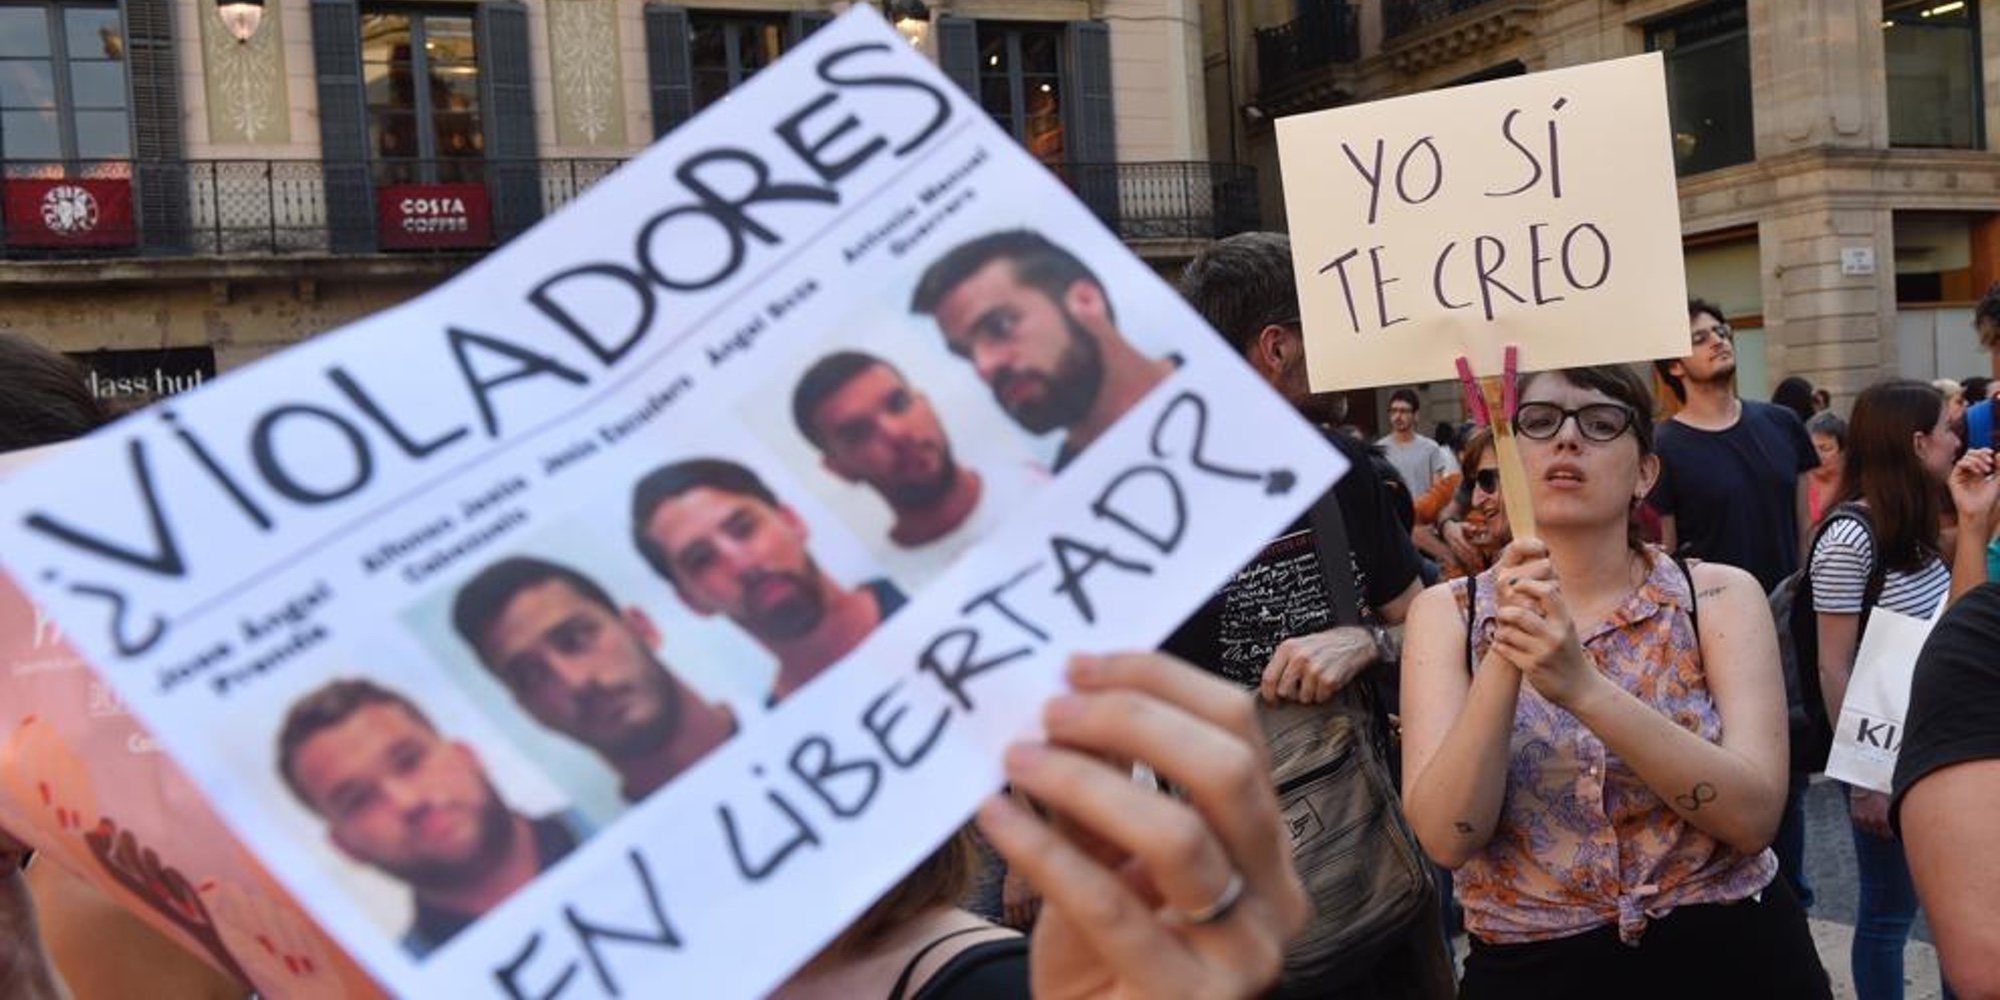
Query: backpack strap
[1471,617]
[902,986]
[1694,598]
[1329,530]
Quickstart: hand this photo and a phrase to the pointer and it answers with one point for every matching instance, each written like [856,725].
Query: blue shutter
[958,52]
[1090,140]
[160,167]
[669,66]
[507,99]
[343,126]
[805,22]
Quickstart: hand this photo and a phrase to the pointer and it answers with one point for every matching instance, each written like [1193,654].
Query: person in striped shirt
[1879,548]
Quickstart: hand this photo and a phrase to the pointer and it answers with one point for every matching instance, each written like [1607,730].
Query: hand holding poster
[661,589]
[1538,211]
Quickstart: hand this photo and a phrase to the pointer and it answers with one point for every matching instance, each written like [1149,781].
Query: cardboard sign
[433,216]
[56,214]
[1538,211]
[660,590]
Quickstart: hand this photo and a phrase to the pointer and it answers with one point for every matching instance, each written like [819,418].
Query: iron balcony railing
[1326,33]
[1401,16]
[229,208]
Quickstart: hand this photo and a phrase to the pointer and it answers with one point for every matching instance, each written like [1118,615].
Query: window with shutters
[1021,83]
[64,109]
[421,73]
[726,49]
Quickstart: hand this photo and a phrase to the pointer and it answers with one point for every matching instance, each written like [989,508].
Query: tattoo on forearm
[1700,795]
[1462,827]
[1710,592]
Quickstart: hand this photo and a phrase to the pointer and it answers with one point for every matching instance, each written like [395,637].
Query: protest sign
[539,634]
[1538,211]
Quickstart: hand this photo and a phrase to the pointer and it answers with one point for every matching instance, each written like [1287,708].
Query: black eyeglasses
[1596,422]
[1721,331]
[1487,479]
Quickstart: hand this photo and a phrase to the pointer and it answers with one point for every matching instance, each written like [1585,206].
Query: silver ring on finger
[1217,909]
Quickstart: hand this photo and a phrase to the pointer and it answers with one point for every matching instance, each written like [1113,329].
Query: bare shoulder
[1435,605]
[1714,581]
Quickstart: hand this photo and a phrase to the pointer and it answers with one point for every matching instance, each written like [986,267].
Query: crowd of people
[1583,743]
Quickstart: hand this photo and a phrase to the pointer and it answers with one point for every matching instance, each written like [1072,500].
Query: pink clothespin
[1509,367]
[1475,400]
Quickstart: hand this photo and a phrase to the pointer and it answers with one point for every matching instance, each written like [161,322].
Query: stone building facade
[1838,189]
[190,184]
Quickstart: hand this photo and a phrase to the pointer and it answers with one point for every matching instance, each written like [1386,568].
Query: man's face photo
[736,555]
[876,429]
[582,669]
[1033,351]
[398,796]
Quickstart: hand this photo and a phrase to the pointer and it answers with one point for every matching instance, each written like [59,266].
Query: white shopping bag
[1870,730]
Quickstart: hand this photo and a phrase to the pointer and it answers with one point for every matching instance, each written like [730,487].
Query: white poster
[634,609]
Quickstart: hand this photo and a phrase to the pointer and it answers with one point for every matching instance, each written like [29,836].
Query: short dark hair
[325,708]
[1243,284]
[1828,423]
[484,598]
[669,481]
[1975,388]
[1038,263]
[1406,395]
[1794,393]
[44,396]
[827,376]
[1664,366]
[1620,382]
[1623,384]
[1986,316]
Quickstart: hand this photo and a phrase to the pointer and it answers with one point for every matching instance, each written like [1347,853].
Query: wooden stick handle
[1513,478]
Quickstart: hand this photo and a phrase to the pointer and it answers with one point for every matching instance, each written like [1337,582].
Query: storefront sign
[56,214]
[434,216]
[135,378]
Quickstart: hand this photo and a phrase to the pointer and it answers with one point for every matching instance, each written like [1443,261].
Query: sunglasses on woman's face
[1596,422]
[1487,479]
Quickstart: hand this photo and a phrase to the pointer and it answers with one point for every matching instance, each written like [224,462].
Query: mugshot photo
[943,404]
[406,799]
[575,650]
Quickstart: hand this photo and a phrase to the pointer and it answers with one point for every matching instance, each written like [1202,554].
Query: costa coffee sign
[433,216]
[57,214]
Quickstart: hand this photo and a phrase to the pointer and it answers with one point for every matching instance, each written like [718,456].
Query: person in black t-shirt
[1731,487]
[1946,790]
[1244,287]
[1273,626]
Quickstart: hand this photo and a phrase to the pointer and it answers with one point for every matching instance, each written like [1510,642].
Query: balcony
[1294,59]
[265,210]
[1421,34]
[1184,201]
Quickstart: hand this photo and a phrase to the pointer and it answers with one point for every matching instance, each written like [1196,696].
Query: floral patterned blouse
[1581,841]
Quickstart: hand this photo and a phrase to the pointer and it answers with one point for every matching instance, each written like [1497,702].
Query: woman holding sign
[1603,766]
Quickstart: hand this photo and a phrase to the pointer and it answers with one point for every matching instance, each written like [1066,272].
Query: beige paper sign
[1538,211]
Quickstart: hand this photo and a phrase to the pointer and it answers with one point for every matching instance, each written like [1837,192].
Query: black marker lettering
[880,728]
[264,451]
[529,365]
[1073,573]
[642,292]
[813,762]
[1164,540]
[967,664]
